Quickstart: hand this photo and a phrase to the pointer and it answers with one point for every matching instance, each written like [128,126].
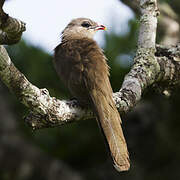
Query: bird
[82,66]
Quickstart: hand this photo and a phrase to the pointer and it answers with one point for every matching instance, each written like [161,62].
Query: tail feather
[110,122]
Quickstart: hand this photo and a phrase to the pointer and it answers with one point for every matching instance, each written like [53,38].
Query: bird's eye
[85,24]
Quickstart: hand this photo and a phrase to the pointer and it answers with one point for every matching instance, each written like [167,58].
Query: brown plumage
[81,65]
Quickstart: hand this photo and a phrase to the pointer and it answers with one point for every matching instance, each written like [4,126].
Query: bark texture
[153,65]
[168,22]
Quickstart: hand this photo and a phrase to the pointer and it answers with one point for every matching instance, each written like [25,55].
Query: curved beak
[100,27]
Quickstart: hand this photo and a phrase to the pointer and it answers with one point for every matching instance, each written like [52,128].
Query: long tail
[110,122]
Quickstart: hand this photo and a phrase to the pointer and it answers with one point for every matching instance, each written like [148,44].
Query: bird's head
[81,28]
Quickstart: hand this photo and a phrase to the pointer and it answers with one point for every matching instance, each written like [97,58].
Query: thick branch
[145,68]
[11,28]
[168,28]
[11,31]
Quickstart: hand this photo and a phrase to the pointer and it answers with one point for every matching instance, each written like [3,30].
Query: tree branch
[149,68]
[145,67]
[11,29]
[168,26]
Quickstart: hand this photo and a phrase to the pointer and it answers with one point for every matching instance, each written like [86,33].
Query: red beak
[100,27]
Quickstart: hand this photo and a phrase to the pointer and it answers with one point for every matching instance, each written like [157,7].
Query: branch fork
[151,66]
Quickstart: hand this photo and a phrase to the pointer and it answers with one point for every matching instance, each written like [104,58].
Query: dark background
[77,151]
